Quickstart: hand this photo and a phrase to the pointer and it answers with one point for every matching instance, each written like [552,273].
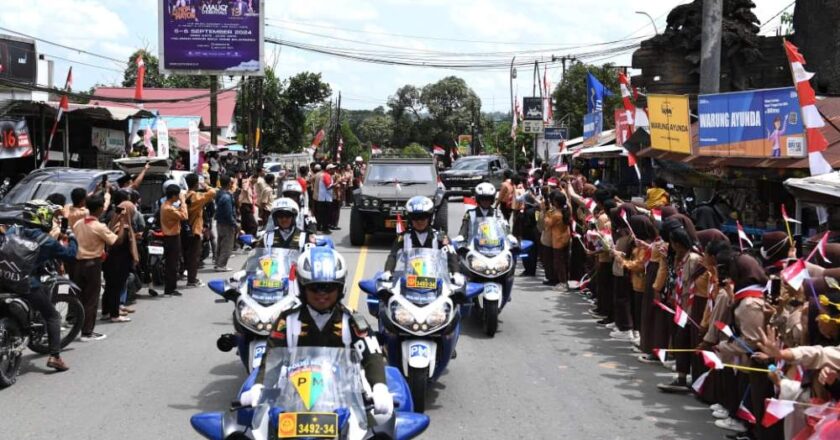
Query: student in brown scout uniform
[195,201]
[172,213]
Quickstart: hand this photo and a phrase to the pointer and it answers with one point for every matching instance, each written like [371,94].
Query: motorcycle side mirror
[474,289]
[231,294]
[368,286]
[247,239]
[217,286]
[526,245]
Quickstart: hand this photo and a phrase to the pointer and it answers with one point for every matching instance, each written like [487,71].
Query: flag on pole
[141,76]
[680,317]
[698,383]
[399,226]
[742,236]
[660,353]
[811,117]
[375,150]
[629,107]
[469,203]
[595,93]
[775,410]
[788,219]
[795,274]
[319,137]
[659,304]
[711,360]
[63,105]
[744,414]
[438,150]
[724,328]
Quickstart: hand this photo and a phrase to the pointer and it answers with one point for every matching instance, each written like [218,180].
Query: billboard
[18,59]
[532,108]
[14,138]
[670,124]
[211,37]
[758,123]
[593,125]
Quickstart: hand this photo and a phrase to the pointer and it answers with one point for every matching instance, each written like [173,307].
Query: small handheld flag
[711,360]
[742,236]
[775,410]
[680,317]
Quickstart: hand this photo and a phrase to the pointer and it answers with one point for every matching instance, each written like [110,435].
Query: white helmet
[359,159]
[290,186]
[321,265]
[485,191]
[284,205]
[419,207]
[169,182]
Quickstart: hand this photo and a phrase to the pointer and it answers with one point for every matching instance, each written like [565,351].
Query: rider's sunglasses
[322,288]
[285,215]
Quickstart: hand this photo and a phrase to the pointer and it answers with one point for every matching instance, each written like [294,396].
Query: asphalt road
[549,373]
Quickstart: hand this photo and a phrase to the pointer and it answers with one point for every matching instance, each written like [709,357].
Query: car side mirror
[494,169]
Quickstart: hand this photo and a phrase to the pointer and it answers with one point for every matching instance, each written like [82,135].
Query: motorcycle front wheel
[491,318]
[10,358]
[418,380]
[72,317]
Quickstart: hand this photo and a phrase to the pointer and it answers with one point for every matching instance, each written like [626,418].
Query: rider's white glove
[457,279]
[252,396]
[385,276]
[383,402]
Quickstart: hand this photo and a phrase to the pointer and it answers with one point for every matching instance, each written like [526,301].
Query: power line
[52,43]
[766,22]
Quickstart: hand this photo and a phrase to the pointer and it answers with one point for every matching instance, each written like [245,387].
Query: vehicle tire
[72,317]
[9,360]
[357,228]
[491,317]
[418,380]
[442,217]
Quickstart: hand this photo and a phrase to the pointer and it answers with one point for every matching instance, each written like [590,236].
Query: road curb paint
[353,299]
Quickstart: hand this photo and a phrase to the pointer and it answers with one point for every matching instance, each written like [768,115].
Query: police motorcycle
[305,221]
[262,290]
[419,315]
[314,392]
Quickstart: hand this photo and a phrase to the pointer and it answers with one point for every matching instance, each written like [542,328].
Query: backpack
[18,260]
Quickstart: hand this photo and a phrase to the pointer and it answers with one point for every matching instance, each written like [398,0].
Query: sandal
[126,309]
[120,319]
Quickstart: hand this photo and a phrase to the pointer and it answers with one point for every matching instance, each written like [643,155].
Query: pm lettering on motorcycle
[419,351]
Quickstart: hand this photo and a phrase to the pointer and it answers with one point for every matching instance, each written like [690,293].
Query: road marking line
[353,300]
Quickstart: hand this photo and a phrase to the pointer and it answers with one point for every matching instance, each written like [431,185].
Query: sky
[493,29]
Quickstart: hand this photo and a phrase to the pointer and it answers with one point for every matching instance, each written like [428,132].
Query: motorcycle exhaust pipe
[226,342]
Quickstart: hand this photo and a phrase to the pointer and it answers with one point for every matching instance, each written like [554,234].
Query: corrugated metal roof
[196,107]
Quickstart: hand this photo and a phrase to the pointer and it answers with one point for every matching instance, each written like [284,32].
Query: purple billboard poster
[205,37]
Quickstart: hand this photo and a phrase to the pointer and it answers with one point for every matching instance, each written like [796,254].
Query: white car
[276,168]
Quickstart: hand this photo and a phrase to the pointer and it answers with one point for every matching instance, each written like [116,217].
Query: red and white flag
[662,306]
[438,150]
[698,383]
[775,410]
[319,137]
[63,106]
[375,150]
[711,360]
[744,414]
[657,214]
[147,142]
[141,76]
[632,162]
[724,328]
[660,353]
[399,226]
[515,124]
[589,204]
[629,107]
[680,317]
[788,219]
[795,274]
[811,117]
[469,203]
[742,236]
[820,248]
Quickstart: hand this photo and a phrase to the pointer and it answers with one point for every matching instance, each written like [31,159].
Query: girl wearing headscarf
[557,221]
[121,258]
[622,285]
[644,234]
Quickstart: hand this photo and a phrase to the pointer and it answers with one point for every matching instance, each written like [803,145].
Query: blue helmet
[321,265]
[419,207]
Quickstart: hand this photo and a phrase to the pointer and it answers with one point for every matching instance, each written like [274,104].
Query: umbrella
[235,147]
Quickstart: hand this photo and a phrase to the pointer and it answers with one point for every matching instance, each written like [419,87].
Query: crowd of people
[741,333]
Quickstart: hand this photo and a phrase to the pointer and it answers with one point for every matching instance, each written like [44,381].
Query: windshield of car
[313,380]
[470,165]
[403,173]
[26,191]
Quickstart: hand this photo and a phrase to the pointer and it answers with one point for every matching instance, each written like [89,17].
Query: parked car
[151,189]
[387,185]
[42,182]
[276,168]
[469,171]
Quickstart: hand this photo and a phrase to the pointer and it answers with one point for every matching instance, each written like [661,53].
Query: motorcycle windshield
[314,380]
[421,269]
[267,273]
[487,235]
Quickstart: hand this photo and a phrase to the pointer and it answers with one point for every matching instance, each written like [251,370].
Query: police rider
[485,195]
[40,214]
[306,221]
[322,321]
[420,234]
[282,230]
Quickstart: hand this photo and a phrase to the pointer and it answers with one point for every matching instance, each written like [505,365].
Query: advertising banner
[593,124]
[221,37]
[108,141]
[670,124]
[162,139]
[193,136]
[14,138]
[758,123]
[622,127]
[533,108]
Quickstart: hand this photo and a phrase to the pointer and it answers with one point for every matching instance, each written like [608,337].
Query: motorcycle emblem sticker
[267,265]
[309,383]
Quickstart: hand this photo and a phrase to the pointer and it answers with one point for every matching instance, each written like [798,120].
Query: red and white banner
[744,414]
[319,137]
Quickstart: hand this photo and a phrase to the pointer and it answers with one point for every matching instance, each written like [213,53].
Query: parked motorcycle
[261,290]
[419,322]
[488,256]
[22,326]
[152,266]
[314,392]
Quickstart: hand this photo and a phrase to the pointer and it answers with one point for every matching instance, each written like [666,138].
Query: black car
[387,185]
[469,171]
[39,184]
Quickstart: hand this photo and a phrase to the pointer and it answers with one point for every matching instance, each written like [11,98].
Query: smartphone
[64,224]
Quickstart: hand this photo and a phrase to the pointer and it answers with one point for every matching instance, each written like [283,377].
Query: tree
[570,95]
[376,129]
[414,150]
[452,106]
[153,77]
[404,108]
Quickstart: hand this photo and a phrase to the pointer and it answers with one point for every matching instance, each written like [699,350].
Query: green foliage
[786,23]
[570,95]
[154,78]
[376,129]
[414,150]
[452,106]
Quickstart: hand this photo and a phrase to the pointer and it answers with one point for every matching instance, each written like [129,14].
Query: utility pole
[337,132]
[513,106]
[474,127]
[710,46]
[214,105]
[563,60]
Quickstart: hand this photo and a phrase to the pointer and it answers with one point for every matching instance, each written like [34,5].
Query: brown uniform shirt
[195,208]
[171,218]
[92,236]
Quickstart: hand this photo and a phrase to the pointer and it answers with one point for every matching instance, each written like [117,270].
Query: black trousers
[191,257]
[547,257]
[761,388]
[214,177]
[323,215]
[622,300]
[39,299]
[604,289]
[171,256]
[89,278]
[577,262]
[637,311]
[246,216]
[115,270]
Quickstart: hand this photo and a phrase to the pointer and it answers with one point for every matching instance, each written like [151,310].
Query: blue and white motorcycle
[314,392]
[261,291]
[419,316]
[488,257]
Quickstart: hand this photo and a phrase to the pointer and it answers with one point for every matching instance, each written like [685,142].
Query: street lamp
[651,21]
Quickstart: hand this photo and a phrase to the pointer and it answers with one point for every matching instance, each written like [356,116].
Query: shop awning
[94,112]
[601,151]
[823,189]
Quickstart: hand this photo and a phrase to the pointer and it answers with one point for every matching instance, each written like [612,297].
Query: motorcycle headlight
[249,317]
[501,264]
[439,317]
[401,315]
[477,264]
